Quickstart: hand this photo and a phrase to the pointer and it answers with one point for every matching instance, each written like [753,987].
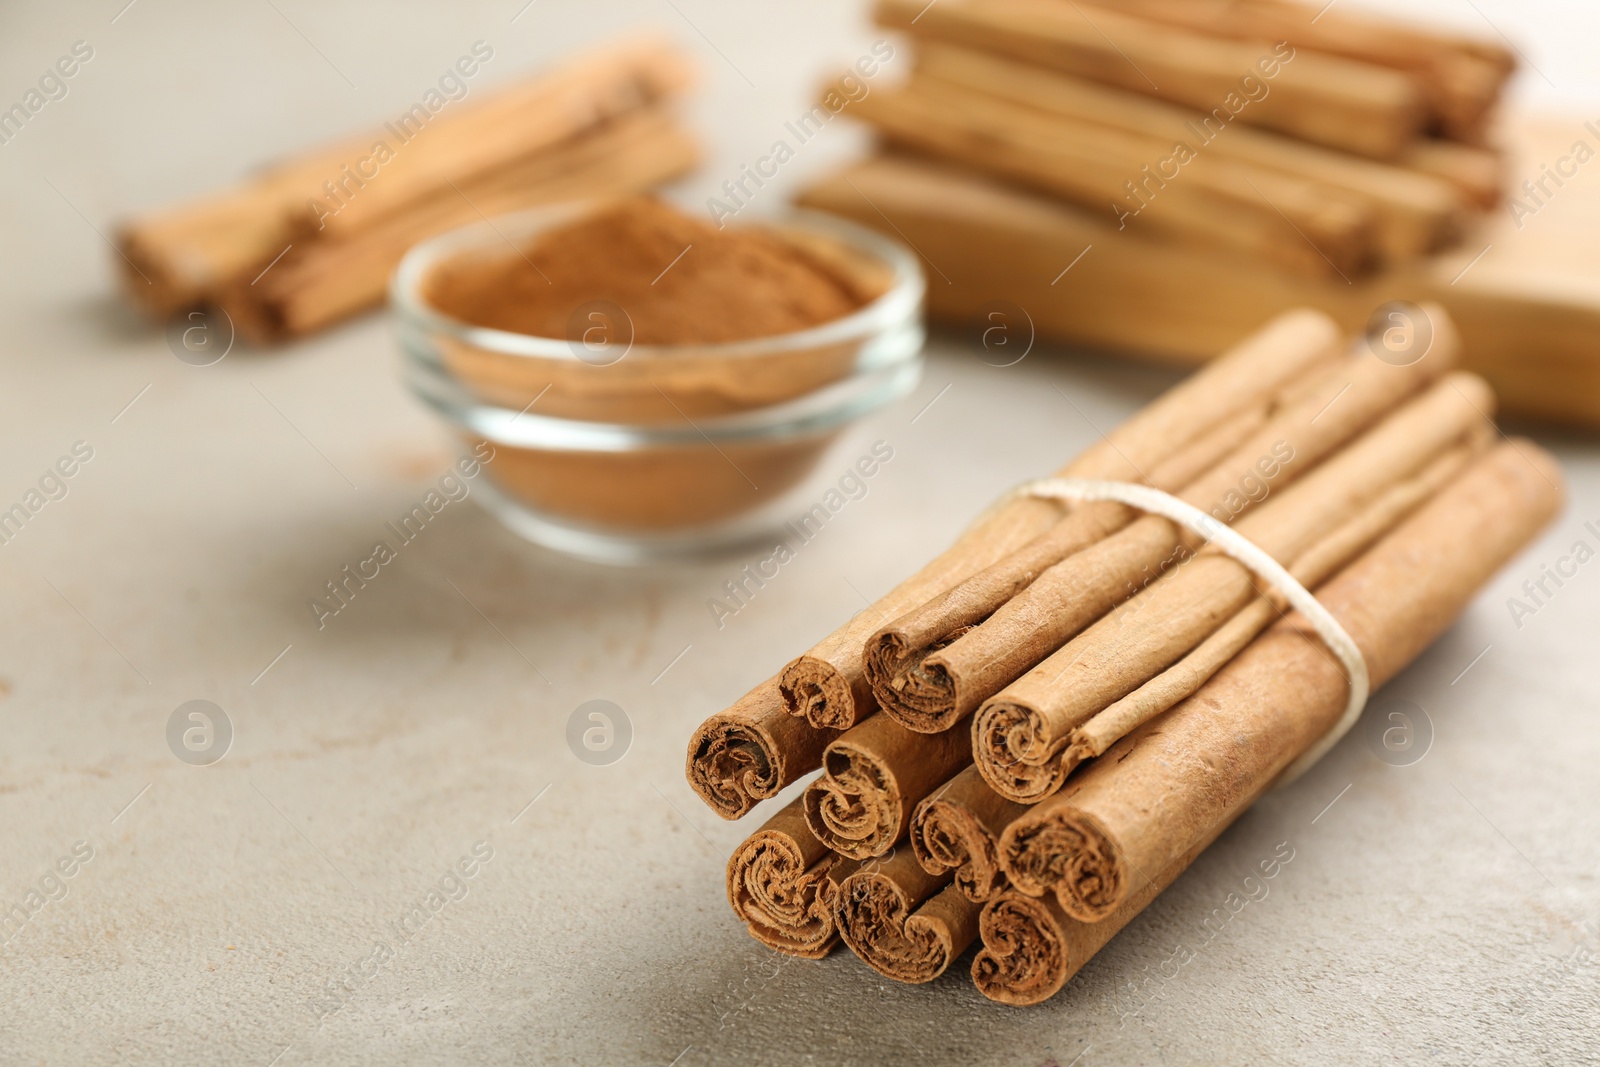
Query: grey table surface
[1441,912]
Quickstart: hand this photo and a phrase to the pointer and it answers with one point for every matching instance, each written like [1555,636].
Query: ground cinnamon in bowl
[675,293]
[730,359]
[681,280]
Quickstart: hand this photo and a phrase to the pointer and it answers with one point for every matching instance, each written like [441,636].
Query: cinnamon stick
[1020,734]
[935,666]
[176,257]
[956,831]
[1098,845]
[1360,107]
[1460,78]
[902,922]
[746,754]
[874,775]
[782,884]
[1479,174]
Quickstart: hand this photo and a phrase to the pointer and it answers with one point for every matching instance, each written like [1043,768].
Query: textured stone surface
[1432,914]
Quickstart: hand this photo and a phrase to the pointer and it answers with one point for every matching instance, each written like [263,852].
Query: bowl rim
[904,294]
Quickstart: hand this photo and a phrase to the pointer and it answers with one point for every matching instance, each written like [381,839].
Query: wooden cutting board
[1526,297]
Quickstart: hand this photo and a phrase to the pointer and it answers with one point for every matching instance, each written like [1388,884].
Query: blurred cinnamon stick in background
[1032,134]
[1308,227]
[1527,301]
[1320,97]
[1459,77]
[311,240]
[1415,209]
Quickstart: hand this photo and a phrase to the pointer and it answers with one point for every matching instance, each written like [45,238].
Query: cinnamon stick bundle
[1181,702]
[782,884]
[956,831]
[903,922]
[318,282]
[934,666]
[1305,226]
[1357,106]
[1415,208]
[312,239]
[1100,845]
[1020,735]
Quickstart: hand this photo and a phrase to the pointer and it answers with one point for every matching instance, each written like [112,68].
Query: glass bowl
[627,453]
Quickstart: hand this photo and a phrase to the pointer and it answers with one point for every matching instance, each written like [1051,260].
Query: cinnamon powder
[679,279]
[684,284]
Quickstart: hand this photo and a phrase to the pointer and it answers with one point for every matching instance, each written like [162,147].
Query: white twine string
[1230,542]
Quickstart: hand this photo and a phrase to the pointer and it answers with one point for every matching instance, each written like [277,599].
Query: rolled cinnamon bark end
[818,692]
[957,831]
[1187,774]
[748,753]
[1025,958]
[1055,847]
[828,684]
[875,775]
[918,695]
[1013,755]
[782,884]
[902,924]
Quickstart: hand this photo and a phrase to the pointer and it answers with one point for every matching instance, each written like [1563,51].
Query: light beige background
[1433,914]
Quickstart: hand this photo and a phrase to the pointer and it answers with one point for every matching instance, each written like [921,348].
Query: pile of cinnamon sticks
[1330,143]
[1028,739]
[313,240]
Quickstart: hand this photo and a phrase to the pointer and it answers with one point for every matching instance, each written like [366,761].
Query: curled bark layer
[782,884]
[957,831]
[746,754]
[1032,947]
[875,774]
[903,922]
[827,686]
